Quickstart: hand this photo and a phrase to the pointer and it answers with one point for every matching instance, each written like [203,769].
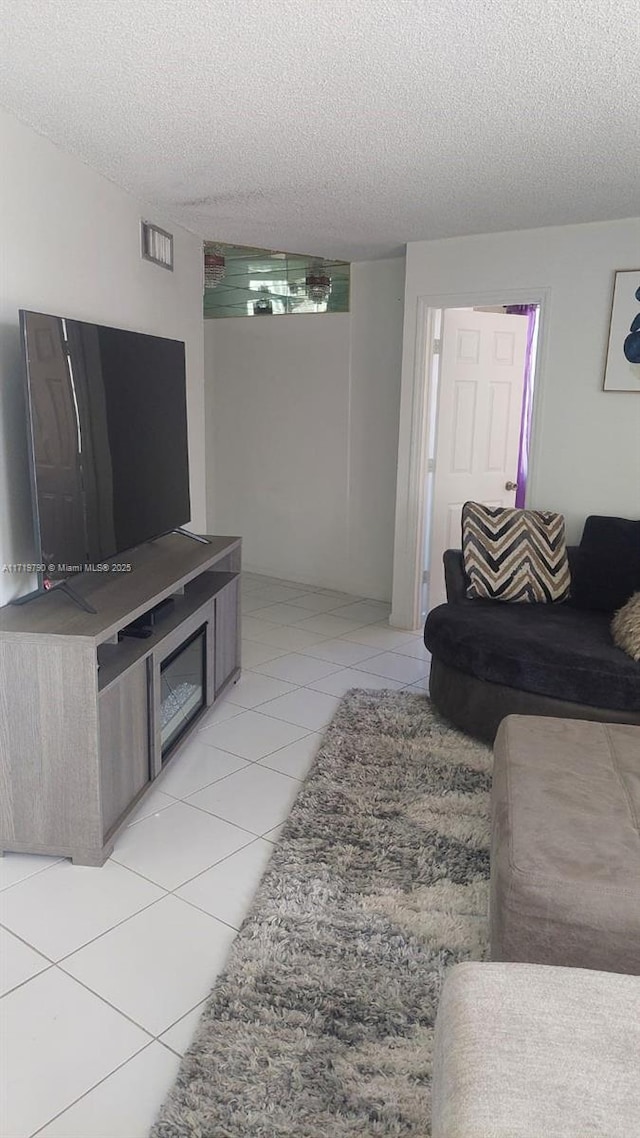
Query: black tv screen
[108,439]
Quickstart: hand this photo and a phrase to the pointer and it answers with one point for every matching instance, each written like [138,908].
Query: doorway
[467,436]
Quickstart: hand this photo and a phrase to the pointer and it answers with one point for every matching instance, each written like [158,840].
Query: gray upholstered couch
[544,1041]
[532,1051]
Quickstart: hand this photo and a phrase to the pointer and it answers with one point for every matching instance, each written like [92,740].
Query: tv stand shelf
[81,721]
[115,659]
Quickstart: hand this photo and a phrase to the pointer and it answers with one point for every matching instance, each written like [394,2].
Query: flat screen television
[107,429]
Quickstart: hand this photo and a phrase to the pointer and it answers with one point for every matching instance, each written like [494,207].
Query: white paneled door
[479,407]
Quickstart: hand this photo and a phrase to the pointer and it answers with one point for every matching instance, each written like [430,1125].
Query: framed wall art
[622,370]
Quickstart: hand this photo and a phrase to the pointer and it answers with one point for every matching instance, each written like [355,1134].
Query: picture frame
[622,368]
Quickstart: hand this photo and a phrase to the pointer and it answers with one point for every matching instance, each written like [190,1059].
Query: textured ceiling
[340,127]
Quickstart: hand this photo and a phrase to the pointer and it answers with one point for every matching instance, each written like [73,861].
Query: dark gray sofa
[492,659]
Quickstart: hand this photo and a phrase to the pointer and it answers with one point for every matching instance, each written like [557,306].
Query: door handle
[511,485]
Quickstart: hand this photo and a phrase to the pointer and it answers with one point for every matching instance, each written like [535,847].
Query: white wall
[71,246]
[303,428]
[586,443]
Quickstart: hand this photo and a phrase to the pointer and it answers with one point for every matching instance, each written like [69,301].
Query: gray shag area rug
[321,1025]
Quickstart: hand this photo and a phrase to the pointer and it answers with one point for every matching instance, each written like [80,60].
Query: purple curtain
[531,312]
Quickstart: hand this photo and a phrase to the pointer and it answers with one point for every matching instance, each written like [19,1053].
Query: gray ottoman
[565,846]
[525,1051]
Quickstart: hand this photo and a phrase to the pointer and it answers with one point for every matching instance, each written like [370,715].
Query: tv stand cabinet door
[49,784]
[227,638]
[124,743]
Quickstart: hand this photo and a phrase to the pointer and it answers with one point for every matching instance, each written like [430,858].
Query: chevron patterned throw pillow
[514,555]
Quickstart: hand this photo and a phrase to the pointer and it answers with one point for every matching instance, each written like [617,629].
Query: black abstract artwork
[631,347]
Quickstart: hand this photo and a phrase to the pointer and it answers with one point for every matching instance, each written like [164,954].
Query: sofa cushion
[554,650]
[565,844]
[625,627]
[514,555]
[607,569]
[528,1051]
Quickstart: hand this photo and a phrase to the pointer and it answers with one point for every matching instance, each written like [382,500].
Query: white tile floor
[104,971]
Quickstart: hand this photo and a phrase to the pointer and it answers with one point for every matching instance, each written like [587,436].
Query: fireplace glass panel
[183,688]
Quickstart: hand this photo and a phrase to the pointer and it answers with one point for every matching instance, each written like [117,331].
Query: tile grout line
[103,999]
[223,778]
[92,940]
[309,731]
[257,838]
[26,943]
[118,924]
[53,1118]
[43,869]
[251,832]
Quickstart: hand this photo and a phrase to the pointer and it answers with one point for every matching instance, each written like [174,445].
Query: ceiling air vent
[157,245]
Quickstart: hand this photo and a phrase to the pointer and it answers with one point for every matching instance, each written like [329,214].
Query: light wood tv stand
[80,709]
